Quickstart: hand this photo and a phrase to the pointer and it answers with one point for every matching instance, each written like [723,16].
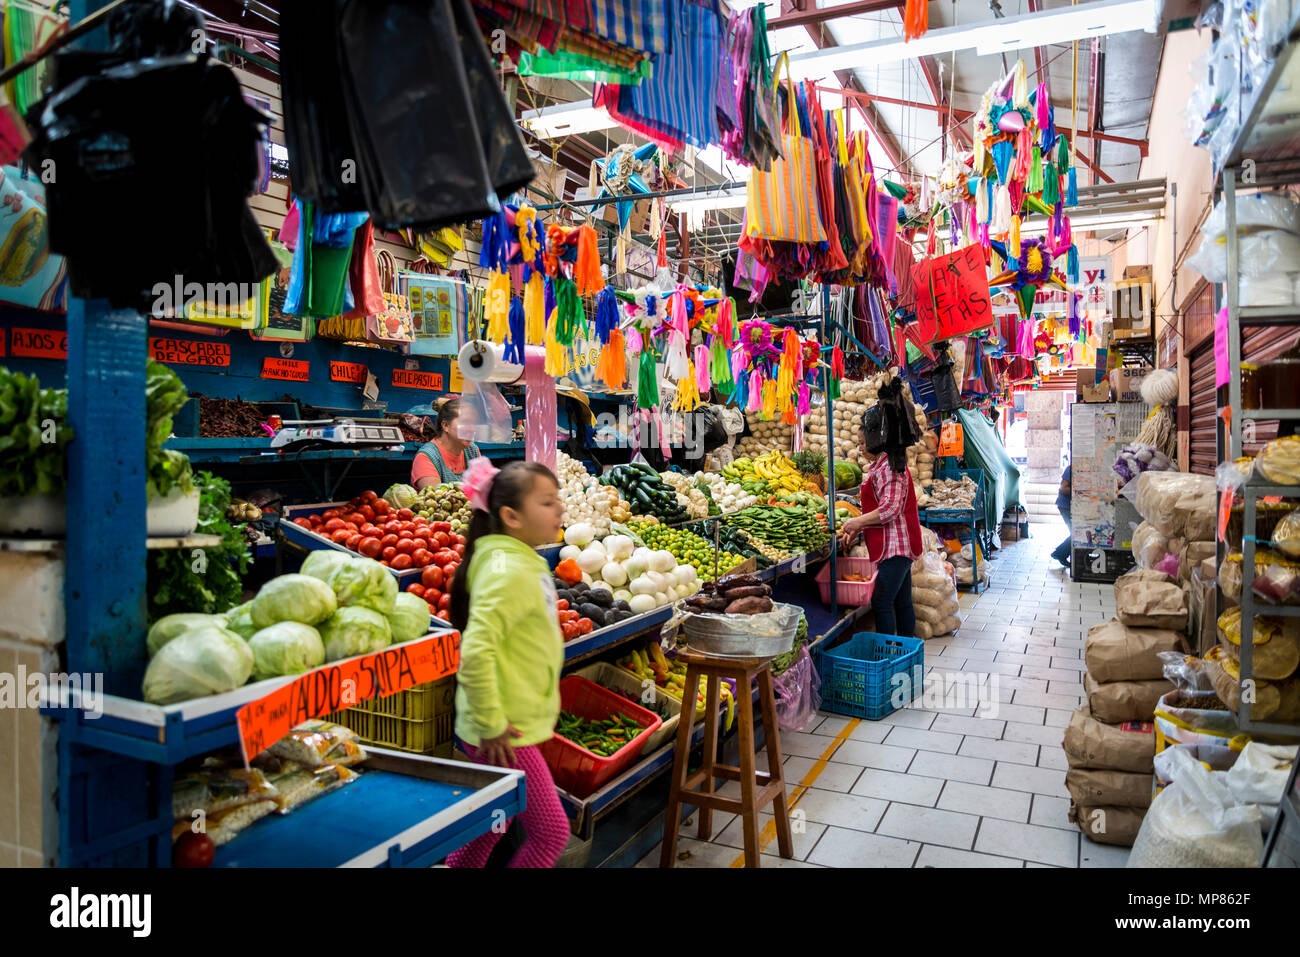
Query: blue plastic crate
[857,676]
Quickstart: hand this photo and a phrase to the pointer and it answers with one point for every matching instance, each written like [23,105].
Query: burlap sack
[1149,599]
[1089,743]
[1192,554]
[1099,787]
[1117,701]
[1108,825]
[1116,652]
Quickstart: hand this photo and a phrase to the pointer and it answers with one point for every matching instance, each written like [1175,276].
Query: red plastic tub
[576,769]
[848,593]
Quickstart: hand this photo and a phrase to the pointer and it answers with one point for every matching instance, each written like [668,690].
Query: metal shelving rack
[1264,153]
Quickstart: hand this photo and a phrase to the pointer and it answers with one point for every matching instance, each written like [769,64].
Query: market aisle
[948,788]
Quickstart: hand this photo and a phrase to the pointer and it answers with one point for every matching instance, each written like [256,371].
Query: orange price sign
[295,370]
[414,379]
[343,684]
[348,372]
[190,352]
[38,343]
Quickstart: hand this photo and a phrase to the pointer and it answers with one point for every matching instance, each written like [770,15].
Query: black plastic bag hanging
[323,154]
[172,134]
[946,393]
[416,126]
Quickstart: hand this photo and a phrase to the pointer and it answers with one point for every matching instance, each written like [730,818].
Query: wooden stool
[757,788]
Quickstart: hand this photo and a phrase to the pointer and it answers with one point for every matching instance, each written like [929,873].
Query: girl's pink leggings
[545,824]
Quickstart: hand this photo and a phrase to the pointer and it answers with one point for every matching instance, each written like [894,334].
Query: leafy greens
[34,436]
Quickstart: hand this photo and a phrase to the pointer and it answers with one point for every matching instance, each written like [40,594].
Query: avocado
[592,611]
[601,597]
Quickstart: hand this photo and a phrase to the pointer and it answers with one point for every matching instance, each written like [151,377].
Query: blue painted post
[105,590]
[830,463]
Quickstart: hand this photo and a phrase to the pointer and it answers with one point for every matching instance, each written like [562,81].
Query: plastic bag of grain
[1196,822]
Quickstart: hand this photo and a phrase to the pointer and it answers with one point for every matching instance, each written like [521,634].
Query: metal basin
[764,635]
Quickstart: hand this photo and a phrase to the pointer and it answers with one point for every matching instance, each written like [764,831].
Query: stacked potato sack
[766,435]
[934,596]
[1110,741]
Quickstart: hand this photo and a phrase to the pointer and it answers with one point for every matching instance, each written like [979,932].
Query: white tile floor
[957,786]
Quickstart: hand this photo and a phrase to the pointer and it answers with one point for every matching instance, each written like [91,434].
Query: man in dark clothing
[1062,552]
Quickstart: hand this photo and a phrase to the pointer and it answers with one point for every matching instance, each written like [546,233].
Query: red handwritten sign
[190,352]
[412,379]
[295,370]
[952,294]
[344,684]
[347,372]
[3,337]
[38,343]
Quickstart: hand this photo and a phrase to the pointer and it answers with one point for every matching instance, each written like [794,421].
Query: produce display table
[404,810]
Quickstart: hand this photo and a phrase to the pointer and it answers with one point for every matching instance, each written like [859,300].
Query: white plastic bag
[1196,822]
[1267,254]
[1261,772]
[1254,211]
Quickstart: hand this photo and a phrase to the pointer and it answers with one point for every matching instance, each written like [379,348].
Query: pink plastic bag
[798,693]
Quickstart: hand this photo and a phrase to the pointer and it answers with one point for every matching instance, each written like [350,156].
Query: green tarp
[984,450]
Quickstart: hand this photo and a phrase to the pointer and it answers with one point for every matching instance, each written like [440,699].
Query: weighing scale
[342,432]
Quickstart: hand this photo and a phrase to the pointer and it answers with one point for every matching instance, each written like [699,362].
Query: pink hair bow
[477,482]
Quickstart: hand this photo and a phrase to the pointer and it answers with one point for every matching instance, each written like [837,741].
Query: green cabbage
[357,581]
[201,662]
[293,598]
[286,648]
[173,626]
[401,496]
[322,562]
[240,620]
[354,630]
[409,618]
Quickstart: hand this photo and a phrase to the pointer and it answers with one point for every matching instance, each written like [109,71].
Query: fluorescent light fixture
[732,199]
[1084,223]
[566,119]
[1096,19]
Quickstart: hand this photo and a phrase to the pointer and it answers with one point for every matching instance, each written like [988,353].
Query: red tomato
[448,572]
[431,595]
[354,541]
[421,557]
[379,505]
[329,513]
[405,546]
[386,563]
[368,512]
[357,519]
[569,615]
[441,539]
[355,502]
[392,527]
[432,577]
[369,495]
[458,539]
[569,630]
[444,556]
[315,520]
[460,551]
[406,535]
[444,603]
[388,554]
[401,561]
[193,850]
[371,547]
[371,531]
[584,626]
[405,514]
[343,534]
[389,541]
[302,522]
[416,589]
[333,524]
[420,542]
[561,604]
[442,527]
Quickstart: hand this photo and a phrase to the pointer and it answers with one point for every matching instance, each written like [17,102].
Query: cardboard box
[1087,391]
[1126,384]
[1131,306]
[1137,272]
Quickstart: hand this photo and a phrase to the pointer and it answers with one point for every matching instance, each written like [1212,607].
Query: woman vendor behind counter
[445,458]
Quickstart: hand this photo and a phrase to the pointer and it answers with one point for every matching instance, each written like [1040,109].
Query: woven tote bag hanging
[782,203]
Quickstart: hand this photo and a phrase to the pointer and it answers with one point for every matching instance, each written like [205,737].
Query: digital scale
[299,433]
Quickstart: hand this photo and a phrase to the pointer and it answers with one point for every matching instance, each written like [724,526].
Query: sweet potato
[748,591]
[702,604]
[750,606]
[737,581]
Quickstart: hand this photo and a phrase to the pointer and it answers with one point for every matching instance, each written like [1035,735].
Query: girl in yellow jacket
[511,651]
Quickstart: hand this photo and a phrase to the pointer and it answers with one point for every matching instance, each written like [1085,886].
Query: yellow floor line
[768,833]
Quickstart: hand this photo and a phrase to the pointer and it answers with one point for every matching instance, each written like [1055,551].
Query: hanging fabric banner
[539,409]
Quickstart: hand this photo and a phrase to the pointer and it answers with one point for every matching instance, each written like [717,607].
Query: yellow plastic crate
[420,703]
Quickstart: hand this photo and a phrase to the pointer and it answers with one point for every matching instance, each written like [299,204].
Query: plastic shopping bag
[798,693]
